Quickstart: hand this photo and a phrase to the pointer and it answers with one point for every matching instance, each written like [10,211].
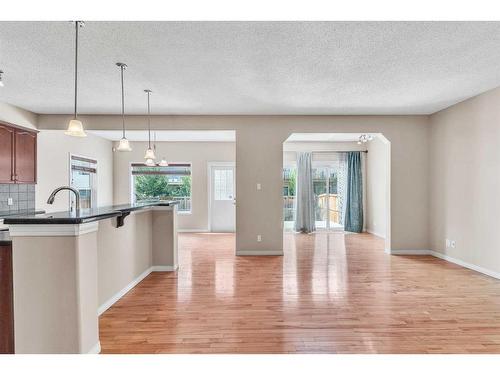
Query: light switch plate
[10,201]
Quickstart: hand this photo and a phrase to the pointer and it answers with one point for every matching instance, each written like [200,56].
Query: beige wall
[465,180]
[377,181]
[123,253]
[55,299]
[197,153]
[147,239]
[290,149]
[259,159]
[17,116]
[54,148]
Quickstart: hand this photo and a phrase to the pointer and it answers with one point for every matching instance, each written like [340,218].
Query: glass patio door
[326,196]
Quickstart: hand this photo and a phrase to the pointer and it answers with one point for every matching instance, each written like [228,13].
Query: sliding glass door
[328,194]
[327,201]
[289,184]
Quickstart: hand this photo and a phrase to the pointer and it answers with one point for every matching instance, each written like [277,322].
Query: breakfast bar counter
[69,267]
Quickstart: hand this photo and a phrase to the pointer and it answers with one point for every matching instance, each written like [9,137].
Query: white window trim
[96,184]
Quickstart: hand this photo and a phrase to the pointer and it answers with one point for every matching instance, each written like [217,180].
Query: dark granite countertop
[84,216]
[4,214]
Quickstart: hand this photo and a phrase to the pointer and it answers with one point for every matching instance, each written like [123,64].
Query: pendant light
[124,144]
[163,162]
[150,154]
[75,126]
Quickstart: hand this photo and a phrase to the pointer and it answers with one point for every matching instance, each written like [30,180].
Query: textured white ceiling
[169,135]
[251,67]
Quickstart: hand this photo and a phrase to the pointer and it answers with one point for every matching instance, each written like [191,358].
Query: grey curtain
[353,221]
[304,221]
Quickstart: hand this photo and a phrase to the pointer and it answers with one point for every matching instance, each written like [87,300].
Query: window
[84,179]
[162,183]
[289,183]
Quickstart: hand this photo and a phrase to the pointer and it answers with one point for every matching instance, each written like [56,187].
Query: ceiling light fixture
[1,81]
[124,144]
[363,138]
[163,162]
[75,126]
[150,154]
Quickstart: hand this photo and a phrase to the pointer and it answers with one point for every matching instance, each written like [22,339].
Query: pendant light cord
[149,121]
[76,67]
[123,103]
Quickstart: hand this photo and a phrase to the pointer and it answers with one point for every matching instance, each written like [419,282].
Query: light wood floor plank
[329,293]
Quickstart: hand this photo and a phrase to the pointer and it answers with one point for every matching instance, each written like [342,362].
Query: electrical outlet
[259,238]
[453,244]
[10,201]
[447,243]
[259,186]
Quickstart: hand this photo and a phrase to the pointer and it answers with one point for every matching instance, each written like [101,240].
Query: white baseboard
[258,252]
[409,252]
[96,349]
[164,268]
[375,233]
[456,261]
[110,302]
[459,262]
[192,230]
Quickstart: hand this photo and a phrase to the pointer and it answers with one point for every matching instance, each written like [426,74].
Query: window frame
[132,185]
[95,179]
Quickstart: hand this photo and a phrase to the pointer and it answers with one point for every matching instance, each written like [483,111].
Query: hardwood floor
[326,295]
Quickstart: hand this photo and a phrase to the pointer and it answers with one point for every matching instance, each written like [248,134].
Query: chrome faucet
[57,190]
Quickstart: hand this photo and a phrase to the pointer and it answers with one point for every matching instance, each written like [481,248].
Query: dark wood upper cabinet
[17,155]
[6,154]
[25,157]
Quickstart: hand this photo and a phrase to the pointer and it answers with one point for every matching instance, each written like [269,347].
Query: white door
[222,198]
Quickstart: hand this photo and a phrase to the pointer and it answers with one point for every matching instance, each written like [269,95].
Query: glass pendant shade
[163,163]
[150,154]
[75,129]
[124,145]
[150,163]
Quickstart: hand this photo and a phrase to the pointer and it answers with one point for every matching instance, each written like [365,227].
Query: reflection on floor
[288,226]
[329,293]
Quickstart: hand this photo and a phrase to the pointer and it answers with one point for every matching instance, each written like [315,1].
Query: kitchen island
[68,268]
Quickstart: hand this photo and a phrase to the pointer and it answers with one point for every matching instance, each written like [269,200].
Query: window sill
[183,212]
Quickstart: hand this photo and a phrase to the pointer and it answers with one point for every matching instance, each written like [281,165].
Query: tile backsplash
[23,197]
